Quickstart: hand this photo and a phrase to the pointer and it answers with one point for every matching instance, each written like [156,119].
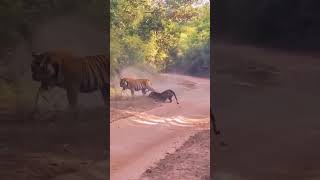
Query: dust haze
[160,81]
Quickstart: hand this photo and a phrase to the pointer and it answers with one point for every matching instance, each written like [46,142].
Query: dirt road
[139,141]
[190,161]
[267,105]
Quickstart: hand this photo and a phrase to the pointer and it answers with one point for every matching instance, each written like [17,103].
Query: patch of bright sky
[201,3]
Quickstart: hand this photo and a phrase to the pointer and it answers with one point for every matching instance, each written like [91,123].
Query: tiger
[167,94]
[136,85]
[60,68]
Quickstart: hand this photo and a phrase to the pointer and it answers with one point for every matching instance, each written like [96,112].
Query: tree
[153,32]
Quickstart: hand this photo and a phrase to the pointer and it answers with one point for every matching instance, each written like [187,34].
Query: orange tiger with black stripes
[76,75]
[143,85]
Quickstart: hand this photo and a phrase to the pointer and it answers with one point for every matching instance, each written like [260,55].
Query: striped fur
[143,85]
[74,74]
[94,73]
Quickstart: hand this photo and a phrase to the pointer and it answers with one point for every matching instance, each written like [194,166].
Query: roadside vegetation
[165,35]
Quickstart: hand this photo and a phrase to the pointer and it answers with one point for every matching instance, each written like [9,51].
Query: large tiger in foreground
[143,85]
[74,74]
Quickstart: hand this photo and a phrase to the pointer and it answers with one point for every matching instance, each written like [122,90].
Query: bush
[161,35]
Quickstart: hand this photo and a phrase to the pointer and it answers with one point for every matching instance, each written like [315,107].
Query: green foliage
[162,35]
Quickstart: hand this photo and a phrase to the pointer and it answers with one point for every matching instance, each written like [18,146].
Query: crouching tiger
[74,74]
[167,94]
[143,85]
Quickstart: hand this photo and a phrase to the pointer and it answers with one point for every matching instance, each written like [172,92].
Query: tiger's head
[46,68]
[124,83]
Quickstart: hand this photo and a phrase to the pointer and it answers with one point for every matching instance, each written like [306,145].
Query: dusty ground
[267,106]
[53,147]
[121,109]
[190,161]
[47,148]
[143,139]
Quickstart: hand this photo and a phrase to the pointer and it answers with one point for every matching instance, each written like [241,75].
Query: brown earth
[190,161]
[266,104]
[54,147]
[47,148]
[141,140]
[266,107]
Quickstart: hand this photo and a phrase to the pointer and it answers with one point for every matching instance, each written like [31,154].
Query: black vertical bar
[107,41]
[212,134]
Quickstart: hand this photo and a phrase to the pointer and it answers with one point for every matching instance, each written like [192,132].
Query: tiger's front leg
[144,92]
[132,92]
